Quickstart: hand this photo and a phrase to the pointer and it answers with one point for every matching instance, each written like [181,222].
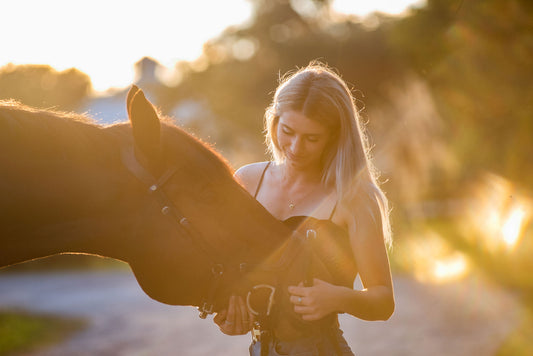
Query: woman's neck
[291,176]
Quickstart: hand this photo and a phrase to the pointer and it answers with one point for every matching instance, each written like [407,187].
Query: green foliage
[474,56]
[42,86]
[21,331]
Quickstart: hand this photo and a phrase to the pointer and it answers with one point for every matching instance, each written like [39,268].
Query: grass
[21,331]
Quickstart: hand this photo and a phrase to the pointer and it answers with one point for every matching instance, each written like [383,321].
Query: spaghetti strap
[333,211]
[261,179]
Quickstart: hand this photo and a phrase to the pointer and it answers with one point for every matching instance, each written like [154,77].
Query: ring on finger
[299,300]
[228,322]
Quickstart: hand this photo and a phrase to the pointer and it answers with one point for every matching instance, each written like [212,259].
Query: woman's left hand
[314,302]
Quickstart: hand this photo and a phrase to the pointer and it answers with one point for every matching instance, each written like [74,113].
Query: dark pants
[321,345]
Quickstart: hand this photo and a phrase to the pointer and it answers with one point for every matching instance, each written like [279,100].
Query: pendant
[291,206]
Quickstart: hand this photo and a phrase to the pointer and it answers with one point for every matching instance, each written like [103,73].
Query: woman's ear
[144,123]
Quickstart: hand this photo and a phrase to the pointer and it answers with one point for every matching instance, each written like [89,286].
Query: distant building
[110,107]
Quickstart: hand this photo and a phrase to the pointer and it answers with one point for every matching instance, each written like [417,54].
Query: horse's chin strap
[154,185]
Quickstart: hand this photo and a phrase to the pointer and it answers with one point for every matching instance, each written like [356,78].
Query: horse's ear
[144,123]
[133,90]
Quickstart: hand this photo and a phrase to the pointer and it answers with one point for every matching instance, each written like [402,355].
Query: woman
[321,170]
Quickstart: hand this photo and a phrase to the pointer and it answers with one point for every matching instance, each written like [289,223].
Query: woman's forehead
[298,122]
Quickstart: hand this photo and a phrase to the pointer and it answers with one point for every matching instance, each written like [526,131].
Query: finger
[317,281]
[244,315]
[303,309]
[310,317]
[238,316]
[230,317]
[220,317]
[298,291]
[297,300]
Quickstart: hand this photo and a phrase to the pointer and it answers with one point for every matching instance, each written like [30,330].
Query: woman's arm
[376,300]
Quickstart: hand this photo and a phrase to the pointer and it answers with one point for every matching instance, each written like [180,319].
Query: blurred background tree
[44,87]
[445,91]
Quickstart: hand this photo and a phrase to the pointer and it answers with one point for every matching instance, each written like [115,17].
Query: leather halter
[169,209]
[155,189]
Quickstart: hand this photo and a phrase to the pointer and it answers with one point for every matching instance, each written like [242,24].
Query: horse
[147,193]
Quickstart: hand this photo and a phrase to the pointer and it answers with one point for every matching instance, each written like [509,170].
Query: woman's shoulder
[250,174]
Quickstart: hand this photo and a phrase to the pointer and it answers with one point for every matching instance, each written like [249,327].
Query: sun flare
[512,227]
[497,214]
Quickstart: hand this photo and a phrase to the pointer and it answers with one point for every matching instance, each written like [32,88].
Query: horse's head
[199,235]
[208,219]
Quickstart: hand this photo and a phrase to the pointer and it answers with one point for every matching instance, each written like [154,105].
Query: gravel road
[470,317]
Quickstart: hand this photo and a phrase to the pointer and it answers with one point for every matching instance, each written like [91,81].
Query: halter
[168,208]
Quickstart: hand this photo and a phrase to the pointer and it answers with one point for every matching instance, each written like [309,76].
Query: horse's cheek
[158,284]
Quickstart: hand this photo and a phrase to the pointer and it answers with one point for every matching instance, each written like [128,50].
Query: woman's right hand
[236,320]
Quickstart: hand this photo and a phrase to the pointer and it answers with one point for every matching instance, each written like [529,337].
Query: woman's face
[302,140]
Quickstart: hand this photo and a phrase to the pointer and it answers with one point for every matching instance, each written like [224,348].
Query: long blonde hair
[322,95]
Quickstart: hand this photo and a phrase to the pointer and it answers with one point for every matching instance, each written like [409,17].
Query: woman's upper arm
[368,245]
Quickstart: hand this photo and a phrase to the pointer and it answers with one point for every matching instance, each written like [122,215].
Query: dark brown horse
[148,194]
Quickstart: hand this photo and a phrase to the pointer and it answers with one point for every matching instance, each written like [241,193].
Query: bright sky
[104,38]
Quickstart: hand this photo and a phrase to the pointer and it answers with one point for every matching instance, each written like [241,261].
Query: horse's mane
[28,126]
[206,151]
[51,133]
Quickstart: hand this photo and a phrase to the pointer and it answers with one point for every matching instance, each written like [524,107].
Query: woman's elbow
[388,310]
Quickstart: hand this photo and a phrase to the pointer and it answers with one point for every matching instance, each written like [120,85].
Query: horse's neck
[70,206]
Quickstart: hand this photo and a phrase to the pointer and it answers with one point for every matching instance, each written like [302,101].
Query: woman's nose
[296,145]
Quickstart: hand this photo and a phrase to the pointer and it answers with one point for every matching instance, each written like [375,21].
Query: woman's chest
[284,203]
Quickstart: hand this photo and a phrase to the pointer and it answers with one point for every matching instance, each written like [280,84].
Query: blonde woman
[321,170]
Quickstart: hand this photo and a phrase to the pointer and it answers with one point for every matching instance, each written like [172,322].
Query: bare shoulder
[250,174]
[362,219]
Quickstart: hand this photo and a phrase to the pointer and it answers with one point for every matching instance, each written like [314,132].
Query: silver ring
[299,300]
[228,322]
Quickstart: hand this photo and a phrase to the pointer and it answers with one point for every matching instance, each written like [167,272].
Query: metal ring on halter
[270,298]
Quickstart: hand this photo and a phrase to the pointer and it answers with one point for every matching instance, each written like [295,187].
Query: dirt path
[466,318]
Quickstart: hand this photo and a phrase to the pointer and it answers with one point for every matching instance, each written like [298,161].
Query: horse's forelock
[178,140]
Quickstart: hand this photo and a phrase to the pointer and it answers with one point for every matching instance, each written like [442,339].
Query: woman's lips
[294,157]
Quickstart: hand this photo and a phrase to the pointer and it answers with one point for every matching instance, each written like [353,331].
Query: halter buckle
[270,298]
[205,310]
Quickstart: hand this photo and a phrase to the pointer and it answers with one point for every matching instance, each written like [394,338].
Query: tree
[43,86]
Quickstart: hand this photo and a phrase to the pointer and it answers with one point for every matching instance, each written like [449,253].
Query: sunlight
[513,225]
[105,38]
[431,258]
[497,214]
[364,7]
[450,268]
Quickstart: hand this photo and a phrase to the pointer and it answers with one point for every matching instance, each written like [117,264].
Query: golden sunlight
[105,38]
[450,268]
[497,214]
[513,225]
[364,8]
[431,258]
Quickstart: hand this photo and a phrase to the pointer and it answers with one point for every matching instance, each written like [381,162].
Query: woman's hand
[236,320]
[314,302]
